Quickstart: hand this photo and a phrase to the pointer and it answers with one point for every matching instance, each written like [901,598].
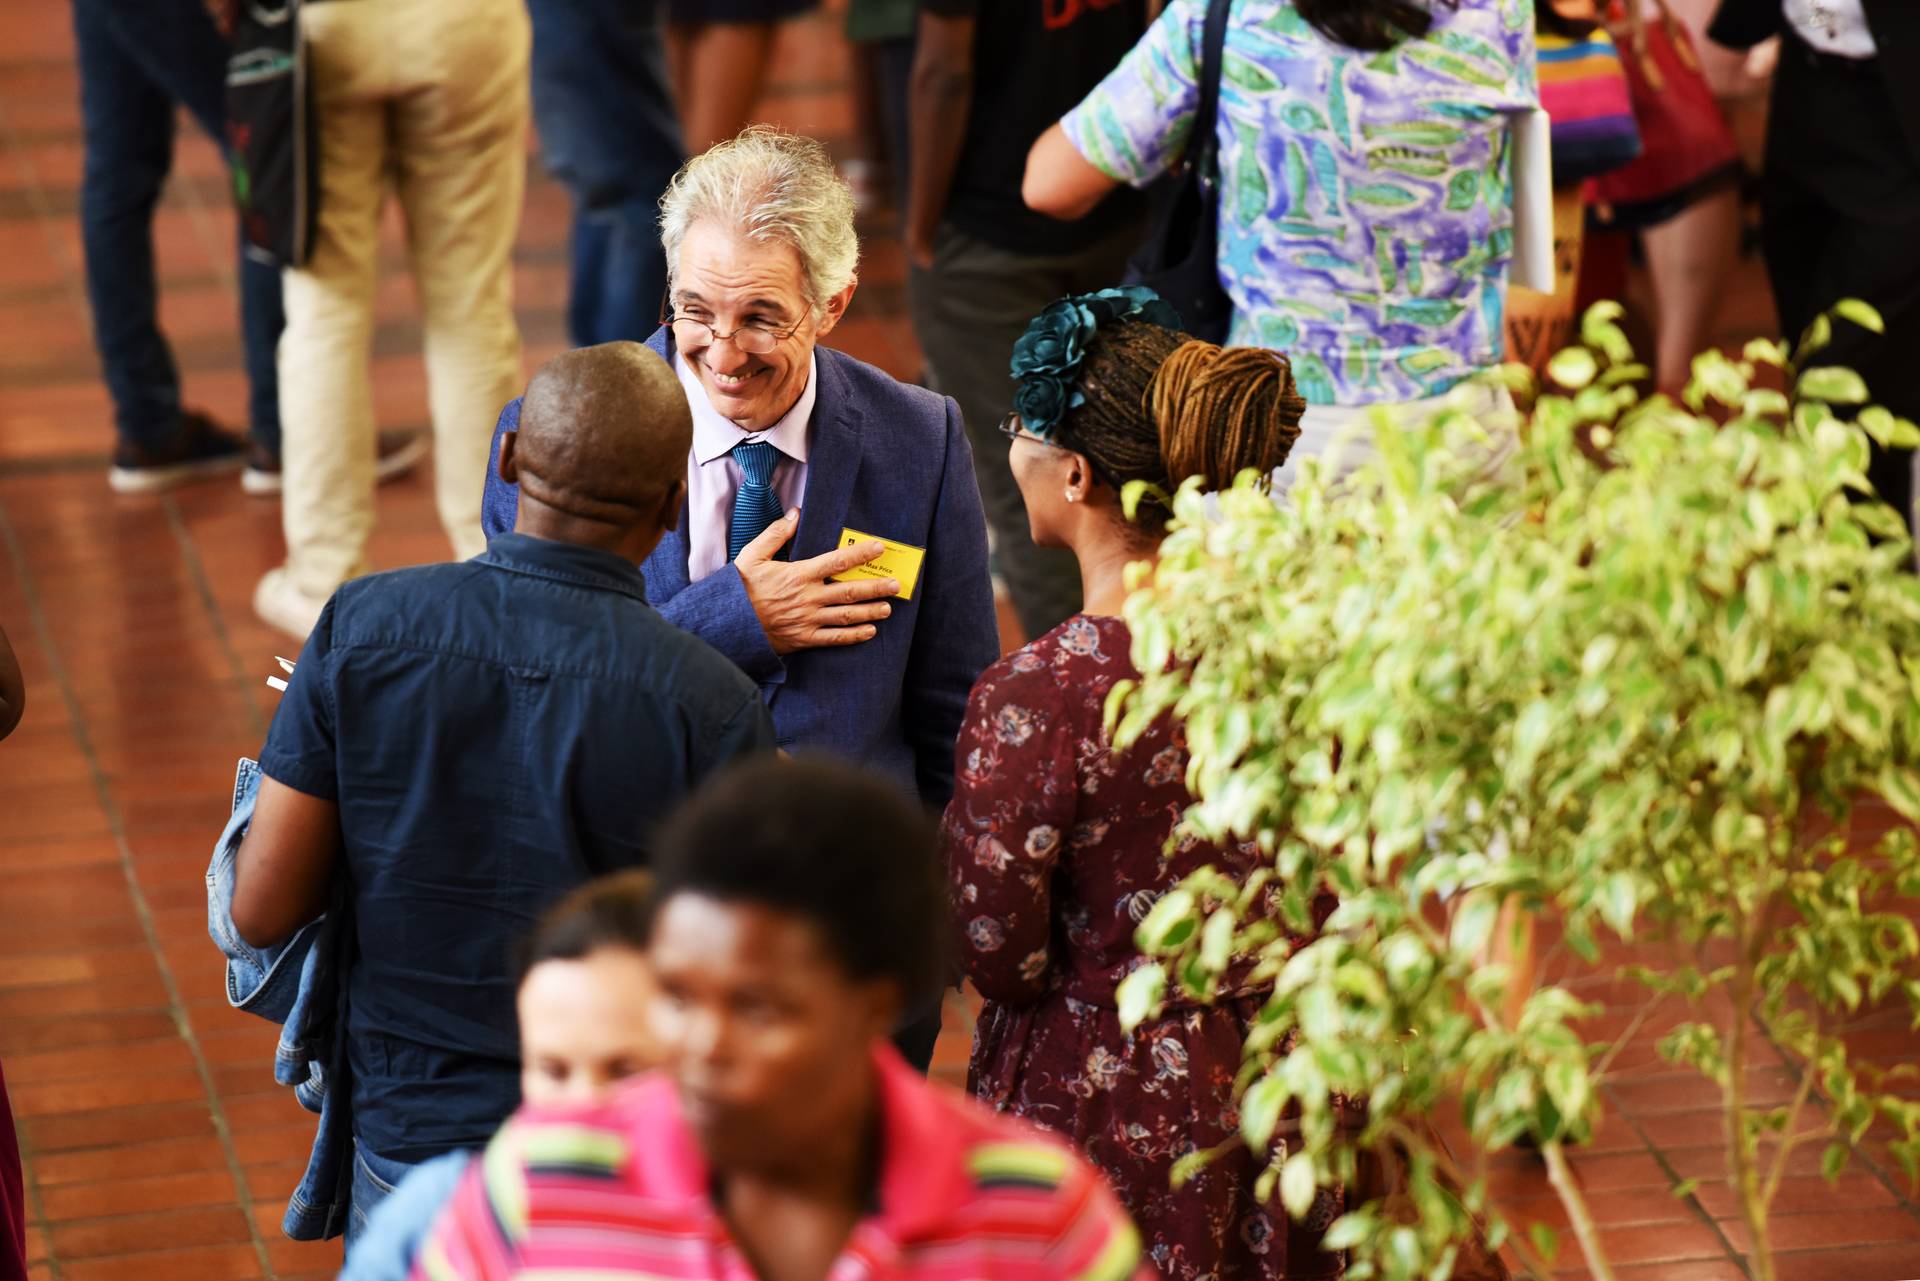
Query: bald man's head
[604,434]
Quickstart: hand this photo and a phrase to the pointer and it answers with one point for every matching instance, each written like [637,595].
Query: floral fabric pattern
[1056,848]
[1366,199]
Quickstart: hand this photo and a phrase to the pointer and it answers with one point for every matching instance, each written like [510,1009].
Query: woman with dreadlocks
[1056,844]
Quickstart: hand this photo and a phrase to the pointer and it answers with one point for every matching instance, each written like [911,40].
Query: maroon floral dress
[1056,848]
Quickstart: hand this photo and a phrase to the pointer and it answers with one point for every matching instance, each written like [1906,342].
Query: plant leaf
[1832,384]
[1473,922]
[1546,1242]
[1297,1184]
[1860,313]
[1818,334]
[1900,788]
[1573,368]
[1260,1110]
[1139,995]
[1168,924]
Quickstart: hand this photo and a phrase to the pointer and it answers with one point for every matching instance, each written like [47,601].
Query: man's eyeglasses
[756,340]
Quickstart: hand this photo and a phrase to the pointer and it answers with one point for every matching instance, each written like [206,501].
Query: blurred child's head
[584,992]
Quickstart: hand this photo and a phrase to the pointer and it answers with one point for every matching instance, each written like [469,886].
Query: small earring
[1072,497]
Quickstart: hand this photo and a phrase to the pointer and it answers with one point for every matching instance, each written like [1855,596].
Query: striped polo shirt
[621,1191]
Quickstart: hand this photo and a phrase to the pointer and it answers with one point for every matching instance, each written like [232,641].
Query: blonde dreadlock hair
[1162,407]
[1222,410]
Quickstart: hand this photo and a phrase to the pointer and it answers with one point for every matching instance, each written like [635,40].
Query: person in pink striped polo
[785,1140]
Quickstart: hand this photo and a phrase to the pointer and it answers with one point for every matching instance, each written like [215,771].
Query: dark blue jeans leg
[139,58]
[609,133]
[127,124]
[262,317]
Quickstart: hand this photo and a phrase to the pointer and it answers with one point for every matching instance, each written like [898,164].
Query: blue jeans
[139,60]
[374,1179]
[609,133]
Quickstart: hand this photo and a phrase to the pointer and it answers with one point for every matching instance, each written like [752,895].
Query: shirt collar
[714,436]
[923,1177]
[565,562]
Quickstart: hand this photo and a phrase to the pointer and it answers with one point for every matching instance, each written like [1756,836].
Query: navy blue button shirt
[495,733]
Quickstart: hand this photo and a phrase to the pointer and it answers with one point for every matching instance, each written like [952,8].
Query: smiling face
[730,282]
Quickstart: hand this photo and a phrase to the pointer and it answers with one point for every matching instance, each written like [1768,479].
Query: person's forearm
[13,689]
[284,868]
[938,101]
[1059,181]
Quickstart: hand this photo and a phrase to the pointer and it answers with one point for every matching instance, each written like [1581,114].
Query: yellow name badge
[900,561]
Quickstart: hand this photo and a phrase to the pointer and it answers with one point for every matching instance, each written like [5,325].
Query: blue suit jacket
[886,459]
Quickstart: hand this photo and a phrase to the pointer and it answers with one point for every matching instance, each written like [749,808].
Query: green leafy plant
[1624,678]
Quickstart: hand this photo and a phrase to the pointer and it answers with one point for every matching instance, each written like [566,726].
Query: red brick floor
[157,1145]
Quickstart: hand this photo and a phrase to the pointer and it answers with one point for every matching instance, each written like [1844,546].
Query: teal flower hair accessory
[1046,360]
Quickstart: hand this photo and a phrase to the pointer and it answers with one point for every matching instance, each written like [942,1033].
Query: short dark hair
[613,911]
[843,848]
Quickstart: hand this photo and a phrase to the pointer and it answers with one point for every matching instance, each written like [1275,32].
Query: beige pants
[429,96]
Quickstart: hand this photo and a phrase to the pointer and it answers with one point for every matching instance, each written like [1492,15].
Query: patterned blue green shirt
[1366,213]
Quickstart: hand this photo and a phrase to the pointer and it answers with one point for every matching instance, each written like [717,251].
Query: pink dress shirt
[713,478]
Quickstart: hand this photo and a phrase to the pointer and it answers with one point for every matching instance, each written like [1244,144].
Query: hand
[796,607]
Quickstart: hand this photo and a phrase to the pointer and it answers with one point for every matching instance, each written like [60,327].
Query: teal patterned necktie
[756,506]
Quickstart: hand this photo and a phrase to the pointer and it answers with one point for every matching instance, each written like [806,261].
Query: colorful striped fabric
[1584,91]
[620,1193]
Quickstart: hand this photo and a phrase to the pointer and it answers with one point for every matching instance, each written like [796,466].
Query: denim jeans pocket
[374,1179]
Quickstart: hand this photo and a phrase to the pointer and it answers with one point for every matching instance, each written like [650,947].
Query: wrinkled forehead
[727,271]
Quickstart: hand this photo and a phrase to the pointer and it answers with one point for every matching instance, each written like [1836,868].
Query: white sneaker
[281,604]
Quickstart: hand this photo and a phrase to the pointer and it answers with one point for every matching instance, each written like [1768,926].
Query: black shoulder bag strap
[1204,145]
[1180,260]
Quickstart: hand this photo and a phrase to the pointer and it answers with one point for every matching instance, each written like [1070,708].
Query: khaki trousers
[428,97]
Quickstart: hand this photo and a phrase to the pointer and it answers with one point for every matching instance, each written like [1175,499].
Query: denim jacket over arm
[299,985]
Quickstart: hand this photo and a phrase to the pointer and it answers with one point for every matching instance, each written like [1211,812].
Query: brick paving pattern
[157,1145]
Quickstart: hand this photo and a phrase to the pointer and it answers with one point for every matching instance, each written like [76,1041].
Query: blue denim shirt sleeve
[749,733]
[385,1249]
[301,741]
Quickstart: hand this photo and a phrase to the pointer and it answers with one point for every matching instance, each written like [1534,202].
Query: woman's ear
[1079,478]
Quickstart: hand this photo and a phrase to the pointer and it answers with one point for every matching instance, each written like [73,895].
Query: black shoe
[199,448]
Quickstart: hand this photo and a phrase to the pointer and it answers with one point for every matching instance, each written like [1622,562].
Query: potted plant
[1625,679]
